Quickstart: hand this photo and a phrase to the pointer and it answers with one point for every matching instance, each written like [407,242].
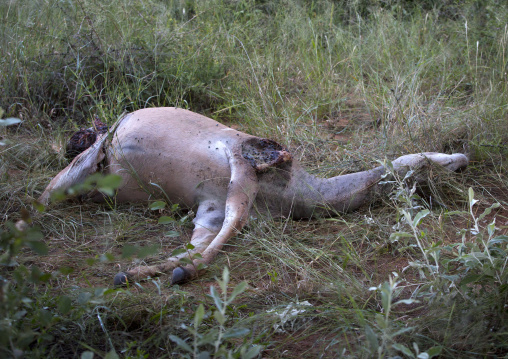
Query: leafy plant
[385,342]
[26,314]
[473,269]
[213,342]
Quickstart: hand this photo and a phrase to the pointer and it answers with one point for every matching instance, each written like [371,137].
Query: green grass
[343,85]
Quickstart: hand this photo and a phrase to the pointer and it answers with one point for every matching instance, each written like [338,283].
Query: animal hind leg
[242,191]
[207,224]
[452,162]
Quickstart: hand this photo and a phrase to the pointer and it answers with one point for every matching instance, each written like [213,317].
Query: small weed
[213,342]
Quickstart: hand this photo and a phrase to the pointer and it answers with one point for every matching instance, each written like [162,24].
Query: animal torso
[182,156]
[171,150]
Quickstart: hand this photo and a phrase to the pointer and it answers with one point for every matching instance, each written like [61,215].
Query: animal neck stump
[222,174]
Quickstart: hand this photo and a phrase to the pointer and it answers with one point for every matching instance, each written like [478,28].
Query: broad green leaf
[203,355]
[64,304]
[405,301]
[128,251]
[178,251]
[38,206]
[34,234]
[165,220]
[87,355]
[185,260]
[491,228]
[66,270]
[434,351]
[225,279]
[209,337]
[470,278]
[372,339]
[451,213]
[395,236]
[402,331]
[198,317]
[216,297]
[499,239]
[107,257]
[148,251]
[181,344]
[236,333]
[389,165]
[38,247]
[172,234]
[57,196]
[472,201]
[99,292]
[415,347]
[109,184]
[45,277]
[157,205]
[402,348]
[84,297]
[112,355]
[385,296]
[381,322]
[407,216]
[253,352]
[419,216]
[219,317]
[488,210]
[408,175]
[189,246]
[184,218]
[240,288]
[91,261]
[20,314]
[45,317]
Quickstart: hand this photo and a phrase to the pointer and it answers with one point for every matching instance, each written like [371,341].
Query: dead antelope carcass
[220,173]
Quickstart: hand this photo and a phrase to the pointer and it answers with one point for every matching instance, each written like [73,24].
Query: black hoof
[121,279]
[180,275]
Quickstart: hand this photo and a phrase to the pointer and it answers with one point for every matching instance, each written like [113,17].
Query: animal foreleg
[207,224]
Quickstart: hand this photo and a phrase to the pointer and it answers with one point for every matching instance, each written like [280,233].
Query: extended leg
[207,224]
[348,192]
[452,162]
[242,191]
